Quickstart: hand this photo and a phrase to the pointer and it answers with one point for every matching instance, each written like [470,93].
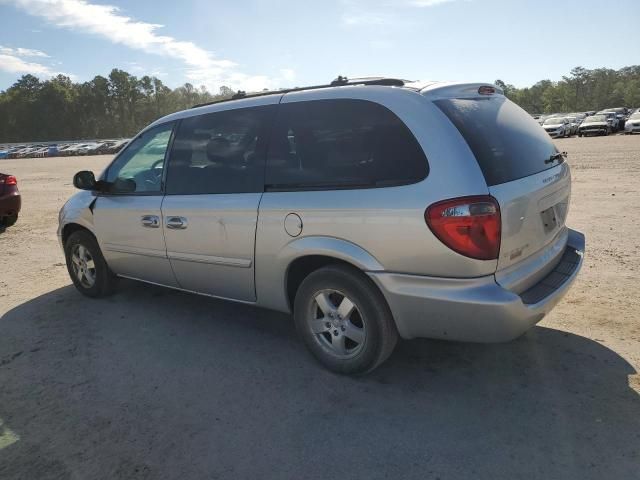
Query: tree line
[121,104]
[582,90]
[106,107]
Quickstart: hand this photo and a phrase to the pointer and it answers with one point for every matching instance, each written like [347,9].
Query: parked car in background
[74,149]
[38,152]
[621,115]
[370,209]
[16,151]
[573,124]
[117,146]
[88,148]
[10,201]
[597,124]
[542,118]
[612,119]
[580,116]
[633,124]
[557,127]
[29,151]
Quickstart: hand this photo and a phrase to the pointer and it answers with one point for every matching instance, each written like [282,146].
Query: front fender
[77,210]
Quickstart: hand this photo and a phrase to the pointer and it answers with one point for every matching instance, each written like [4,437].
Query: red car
[9,200]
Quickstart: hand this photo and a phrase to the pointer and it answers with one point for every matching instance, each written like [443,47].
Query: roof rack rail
[337,82]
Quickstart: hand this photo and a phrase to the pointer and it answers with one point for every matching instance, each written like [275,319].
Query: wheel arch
[303,256]
[72,227]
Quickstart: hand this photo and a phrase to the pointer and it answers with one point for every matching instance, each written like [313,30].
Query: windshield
[635,116]
[507,143]
[595,118]
[554,121]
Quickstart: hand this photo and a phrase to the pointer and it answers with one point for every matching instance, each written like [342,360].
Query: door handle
[176,223]
[150,221]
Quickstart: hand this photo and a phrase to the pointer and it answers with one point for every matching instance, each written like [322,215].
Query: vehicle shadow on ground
[152,383]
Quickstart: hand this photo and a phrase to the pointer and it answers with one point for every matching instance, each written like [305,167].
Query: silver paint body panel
[214,254]
[128,247]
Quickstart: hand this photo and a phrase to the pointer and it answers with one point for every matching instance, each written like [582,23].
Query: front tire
[344,320]
[87,267]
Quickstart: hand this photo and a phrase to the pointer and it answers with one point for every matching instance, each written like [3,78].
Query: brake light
[486,90]
[10,180]
[467,225]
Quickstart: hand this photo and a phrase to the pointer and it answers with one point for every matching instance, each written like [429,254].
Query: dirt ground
[152,383]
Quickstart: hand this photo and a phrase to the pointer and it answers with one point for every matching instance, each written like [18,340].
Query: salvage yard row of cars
[63,149]
[604,122]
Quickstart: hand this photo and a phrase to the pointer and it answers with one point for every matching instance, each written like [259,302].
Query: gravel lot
[152,383]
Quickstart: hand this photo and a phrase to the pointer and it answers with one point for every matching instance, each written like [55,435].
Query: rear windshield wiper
[560,156]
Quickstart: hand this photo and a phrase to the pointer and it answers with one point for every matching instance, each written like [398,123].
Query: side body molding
[271,270]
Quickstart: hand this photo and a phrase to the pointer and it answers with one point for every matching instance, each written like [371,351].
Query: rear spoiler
[461,90]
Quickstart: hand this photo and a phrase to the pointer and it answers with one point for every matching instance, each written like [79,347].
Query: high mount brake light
[467,225]
[486,90]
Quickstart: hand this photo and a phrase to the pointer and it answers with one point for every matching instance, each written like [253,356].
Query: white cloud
[22,52]
[203,67]
[12,60]
[13,64]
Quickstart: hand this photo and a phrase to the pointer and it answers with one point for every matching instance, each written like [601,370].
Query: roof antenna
[340,81]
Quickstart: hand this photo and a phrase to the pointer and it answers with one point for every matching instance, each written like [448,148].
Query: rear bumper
[10,204]
[476,309]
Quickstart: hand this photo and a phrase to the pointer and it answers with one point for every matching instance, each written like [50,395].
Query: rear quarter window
[506,141]
[341,144]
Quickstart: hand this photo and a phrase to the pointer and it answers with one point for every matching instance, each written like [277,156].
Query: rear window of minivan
[506,141]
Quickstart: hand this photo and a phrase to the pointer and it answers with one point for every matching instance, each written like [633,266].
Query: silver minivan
[371,209]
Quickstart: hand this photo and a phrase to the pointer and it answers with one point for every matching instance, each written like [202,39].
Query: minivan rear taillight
[467,225]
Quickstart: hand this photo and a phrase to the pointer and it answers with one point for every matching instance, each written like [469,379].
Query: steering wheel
[156,163]
[152,177]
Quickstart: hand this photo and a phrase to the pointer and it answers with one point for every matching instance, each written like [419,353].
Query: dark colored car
[597,124]
[9,200]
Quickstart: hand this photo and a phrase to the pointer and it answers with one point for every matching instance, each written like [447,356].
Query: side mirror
[84,180]
[123,185]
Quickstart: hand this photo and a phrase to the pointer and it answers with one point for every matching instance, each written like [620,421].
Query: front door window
[139,168]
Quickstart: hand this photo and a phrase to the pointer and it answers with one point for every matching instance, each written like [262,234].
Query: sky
[256,44]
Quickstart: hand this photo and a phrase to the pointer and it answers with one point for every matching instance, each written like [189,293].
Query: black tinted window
[341,144]
[221,152]
[507,143]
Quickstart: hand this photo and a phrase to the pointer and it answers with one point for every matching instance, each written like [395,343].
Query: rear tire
[344,320]
[9,221]
[87,267]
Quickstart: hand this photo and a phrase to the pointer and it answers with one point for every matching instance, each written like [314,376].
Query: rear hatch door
[531,183]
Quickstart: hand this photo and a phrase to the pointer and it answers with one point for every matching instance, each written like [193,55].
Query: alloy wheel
[337,323]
